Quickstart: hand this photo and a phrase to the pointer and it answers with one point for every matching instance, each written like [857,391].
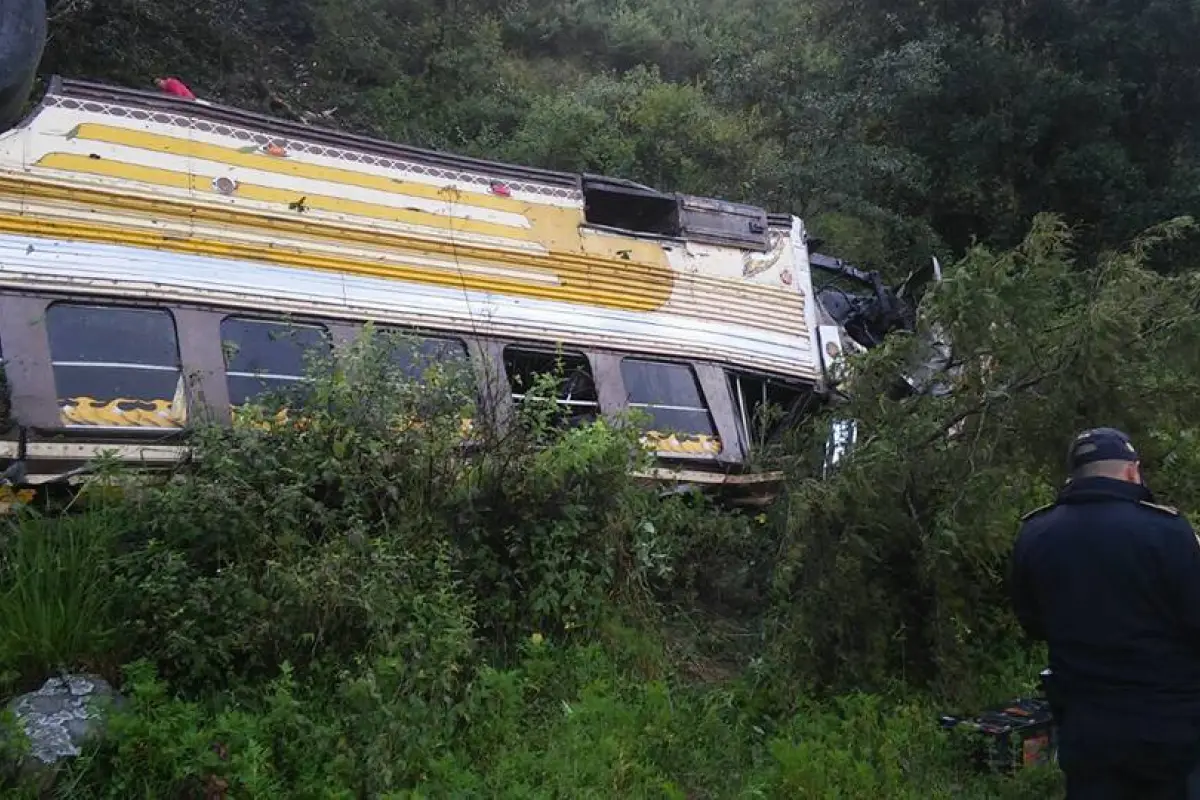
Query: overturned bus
[151,248]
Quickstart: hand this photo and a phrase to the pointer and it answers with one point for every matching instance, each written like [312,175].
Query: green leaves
[894,130]
[895,565]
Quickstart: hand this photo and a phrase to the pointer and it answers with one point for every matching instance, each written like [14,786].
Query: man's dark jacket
[1111,582]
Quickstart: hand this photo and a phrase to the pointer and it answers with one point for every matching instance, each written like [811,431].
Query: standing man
[1111,582]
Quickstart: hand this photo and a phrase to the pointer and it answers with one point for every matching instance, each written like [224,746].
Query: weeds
[56,591]
[365,597]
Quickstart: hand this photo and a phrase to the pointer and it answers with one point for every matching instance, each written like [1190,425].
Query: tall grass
[56,598]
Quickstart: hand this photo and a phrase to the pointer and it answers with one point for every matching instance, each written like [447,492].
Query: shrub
[369,523]
[316,537]
[893,568]
[561,720]
[364,596]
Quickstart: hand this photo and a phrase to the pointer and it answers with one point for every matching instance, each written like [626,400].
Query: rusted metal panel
[705,219]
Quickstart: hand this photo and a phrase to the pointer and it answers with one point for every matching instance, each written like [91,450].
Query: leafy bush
[893,568]
[370,522]
[561,720]
[318,533]
[375,560]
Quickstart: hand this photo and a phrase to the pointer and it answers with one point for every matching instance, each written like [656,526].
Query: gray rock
[61,715]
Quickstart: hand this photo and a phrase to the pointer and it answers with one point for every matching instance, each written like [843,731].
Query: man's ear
[1133,472]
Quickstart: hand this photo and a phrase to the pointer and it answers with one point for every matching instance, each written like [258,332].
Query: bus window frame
[735,378]
[278,320]
[715,393]
[198,328]
[49,416]
[554,352]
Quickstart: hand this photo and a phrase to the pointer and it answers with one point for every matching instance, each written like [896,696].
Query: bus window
[267,356]
[414,354]
[115,367]
[434,362]
[576,396]
[765,407]
[670,394]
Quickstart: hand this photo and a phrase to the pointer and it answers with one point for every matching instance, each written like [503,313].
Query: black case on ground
[1017,735]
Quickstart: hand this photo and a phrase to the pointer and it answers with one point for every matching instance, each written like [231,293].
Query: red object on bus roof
[176,87]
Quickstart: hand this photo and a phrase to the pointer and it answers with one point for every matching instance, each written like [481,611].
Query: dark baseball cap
[1100,444]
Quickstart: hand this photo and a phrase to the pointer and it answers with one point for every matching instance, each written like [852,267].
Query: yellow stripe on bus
[155,176]
[554,227]
[601,287]
[255,159]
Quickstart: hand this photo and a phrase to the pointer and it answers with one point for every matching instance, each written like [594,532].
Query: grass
[56,600]
[563,722]
[572,719]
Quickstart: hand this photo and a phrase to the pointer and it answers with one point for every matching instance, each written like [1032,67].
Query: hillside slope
[313,611]
[896,130]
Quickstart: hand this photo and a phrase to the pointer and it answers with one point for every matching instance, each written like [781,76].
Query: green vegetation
[55,598]
[894,128]
[343,604]
[355,600]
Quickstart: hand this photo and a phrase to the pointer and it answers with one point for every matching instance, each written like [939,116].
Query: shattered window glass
[575,391]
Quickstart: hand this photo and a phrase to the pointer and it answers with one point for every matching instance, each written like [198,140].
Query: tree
[894,565]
